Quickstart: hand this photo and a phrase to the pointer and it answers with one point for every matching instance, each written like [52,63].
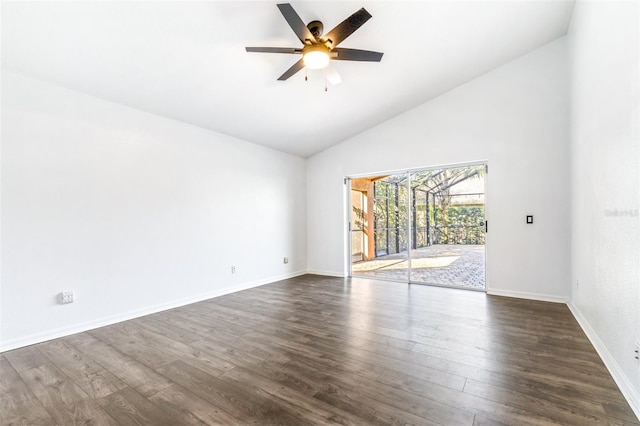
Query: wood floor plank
[576,396]
[218,392]
[91,377]
[487,409]
[320,350]
[156,343]
[373,412]
[305,324]
[129,370]
[487,344]
[307,408]
[65,402]
[147,351]
[26,358]
[18,405]
[579,372]
[379,393]
[559,412]
[248,403]
[367,363]
[192,409]
[161,323]
[128,407]
[275,371]
[483,421]
[620,410]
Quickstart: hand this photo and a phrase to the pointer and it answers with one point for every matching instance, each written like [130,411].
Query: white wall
[516,117]
[132,211]
[605,138]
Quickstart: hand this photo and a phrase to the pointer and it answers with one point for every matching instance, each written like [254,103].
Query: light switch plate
[529,218]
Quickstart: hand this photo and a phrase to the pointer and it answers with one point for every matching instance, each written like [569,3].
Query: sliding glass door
[424,226]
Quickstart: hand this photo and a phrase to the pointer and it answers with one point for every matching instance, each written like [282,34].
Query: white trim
[326,273]
[348,255]
[624,384]
[410,219]
[454,287]
[375,278]
[90,325]
[525,295]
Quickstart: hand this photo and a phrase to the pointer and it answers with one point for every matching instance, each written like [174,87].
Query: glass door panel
[448,227]
[385,227]
[358,214]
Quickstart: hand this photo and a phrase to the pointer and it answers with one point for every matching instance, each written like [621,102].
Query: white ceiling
[186,60]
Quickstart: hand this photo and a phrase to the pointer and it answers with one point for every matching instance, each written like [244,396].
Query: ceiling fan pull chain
[306,76]
[325,85]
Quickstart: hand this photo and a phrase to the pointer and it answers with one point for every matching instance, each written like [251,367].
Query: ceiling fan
[318,49]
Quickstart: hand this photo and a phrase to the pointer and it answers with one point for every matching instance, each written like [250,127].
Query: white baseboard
[626,387]
[326,273]
[530,296]
[90,325]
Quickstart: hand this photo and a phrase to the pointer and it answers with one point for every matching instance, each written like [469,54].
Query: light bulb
[316,59]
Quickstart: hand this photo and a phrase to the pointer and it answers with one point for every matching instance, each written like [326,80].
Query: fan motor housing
[316,28]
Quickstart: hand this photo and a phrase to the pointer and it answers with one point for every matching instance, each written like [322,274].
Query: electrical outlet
[286,260]
[233,269]
[637,351]
[66,297]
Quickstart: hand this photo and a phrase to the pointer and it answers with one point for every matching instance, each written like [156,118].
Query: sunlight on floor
[434,262]
[447,265]
[428,262]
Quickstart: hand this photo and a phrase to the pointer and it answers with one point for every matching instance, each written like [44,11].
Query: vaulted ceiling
[186,60]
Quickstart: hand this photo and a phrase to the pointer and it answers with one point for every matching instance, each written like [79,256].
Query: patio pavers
[445,265]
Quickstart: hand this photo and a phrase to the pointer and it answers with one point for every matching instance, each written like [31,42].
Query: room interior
[149,162]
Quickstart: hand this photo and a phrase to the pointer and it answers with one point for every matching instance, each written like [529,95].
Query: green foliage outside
[464,225]
[437,219]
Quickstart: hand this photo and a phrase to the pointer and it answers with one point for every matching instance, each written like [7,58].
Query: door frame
[347,229]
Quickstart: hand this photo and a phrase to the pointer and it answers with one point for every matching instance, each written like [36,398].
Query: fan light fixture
[315,57]
[319,50]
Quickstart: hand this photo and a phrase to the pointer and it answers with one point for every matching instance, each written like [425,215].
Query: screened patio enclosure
[424,226]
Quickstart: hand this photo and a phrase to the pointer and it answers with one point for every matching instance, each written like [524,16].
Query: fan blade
[356,55]
[347,27]
[291,71]
[331,74]
[296,24]
[273,49]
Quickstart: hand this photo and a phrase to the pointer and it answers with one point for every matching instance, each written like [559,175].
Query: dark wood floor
[317,350]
